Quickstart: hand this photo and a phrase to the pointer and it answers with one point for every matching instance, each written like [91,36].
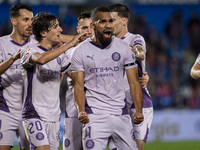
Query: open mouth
[107,34]
[29,30]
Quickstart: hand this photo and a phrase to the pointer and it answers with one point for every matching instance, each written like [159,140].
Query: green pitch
[185,145]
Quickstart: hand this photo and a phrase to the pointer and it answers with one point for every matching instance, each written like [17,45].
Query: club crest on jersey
[116,56]
[40,136]
[67,142]
[90,144]
[59,60]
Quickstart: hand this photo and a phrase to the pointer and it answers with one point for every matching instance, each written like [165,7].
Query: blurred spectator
[194,32]
[171,54]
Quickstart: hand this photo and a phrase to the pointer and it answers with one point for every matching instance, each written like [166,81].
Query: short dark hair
[14,10]
[84,15]
[41,23]
[122,10]
[98,9]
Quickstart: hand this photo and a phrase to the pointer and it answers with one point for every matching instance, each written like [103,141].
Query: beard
[103,40]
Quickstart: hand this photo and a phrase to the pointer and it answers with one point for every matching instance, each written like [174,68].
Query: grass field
[186,145]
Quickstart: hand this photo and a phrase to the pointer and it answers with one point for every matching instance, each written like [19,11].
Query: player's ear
[77,29]
[43,33]
[125,21]
[13,21]
[92,25]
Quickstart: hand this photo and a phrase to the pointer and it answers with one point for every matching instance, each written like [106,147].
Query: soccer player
[42,65]
[11,82]
[121,16]
[195,70]
[72,138]
[97,71]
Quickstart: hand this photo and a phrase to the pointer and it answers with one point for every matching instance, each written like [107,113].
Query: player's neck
[18,38]
[45,44]
[96,40]
[122,33]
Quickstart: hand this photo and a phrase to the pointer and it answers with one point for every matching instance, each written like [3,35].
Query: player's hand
[16,55]
[138,118]
[144,79]
[77,39]
[83,117]
[84,37]
[135,50]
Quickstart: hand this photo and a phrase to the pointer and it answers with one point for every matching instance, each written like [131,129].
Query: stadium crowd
[170,56]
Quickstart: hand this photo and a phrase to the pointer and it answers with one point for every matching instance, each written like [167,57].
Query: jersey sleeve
[77,61]
[65,64]
[139,41]
[70,52]
[26,53]
[130,59]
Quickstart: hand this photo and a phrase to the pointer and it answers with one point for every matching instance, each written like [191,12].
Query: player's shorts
[72,138]
[42,133]
[142,130]
[11,125]
[97,132]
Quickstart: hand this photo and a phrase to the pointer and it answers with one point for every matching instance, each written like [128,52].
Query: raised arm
[79,95]
[66,38]
[195,71]
[136,93]
[6,64]
[42,58]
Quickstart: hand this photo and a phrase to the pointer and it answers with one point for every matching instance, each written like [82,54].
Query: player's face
[54,33]
[23,23]
[118,23]
[84,26]
[104,27]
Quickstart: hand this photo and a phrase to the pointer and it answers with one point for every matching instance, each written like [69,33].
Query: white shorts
[142,130]
[72,138]
[11,125]
[42,133]
[97,132]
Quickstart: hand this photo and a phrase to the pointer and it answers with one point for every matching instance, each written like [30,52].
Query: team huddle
[107,101]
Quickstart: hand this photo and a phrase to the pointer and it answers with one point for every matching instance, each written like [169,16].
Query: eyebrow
[54,25]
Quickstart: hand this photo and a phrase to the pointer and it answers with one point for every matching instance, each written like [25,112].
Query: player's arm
[68,73]
[136,93]
[79,95]
[6,64]
[66,38]
[139,52]
[195,71]
[42,58]
[144,79]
